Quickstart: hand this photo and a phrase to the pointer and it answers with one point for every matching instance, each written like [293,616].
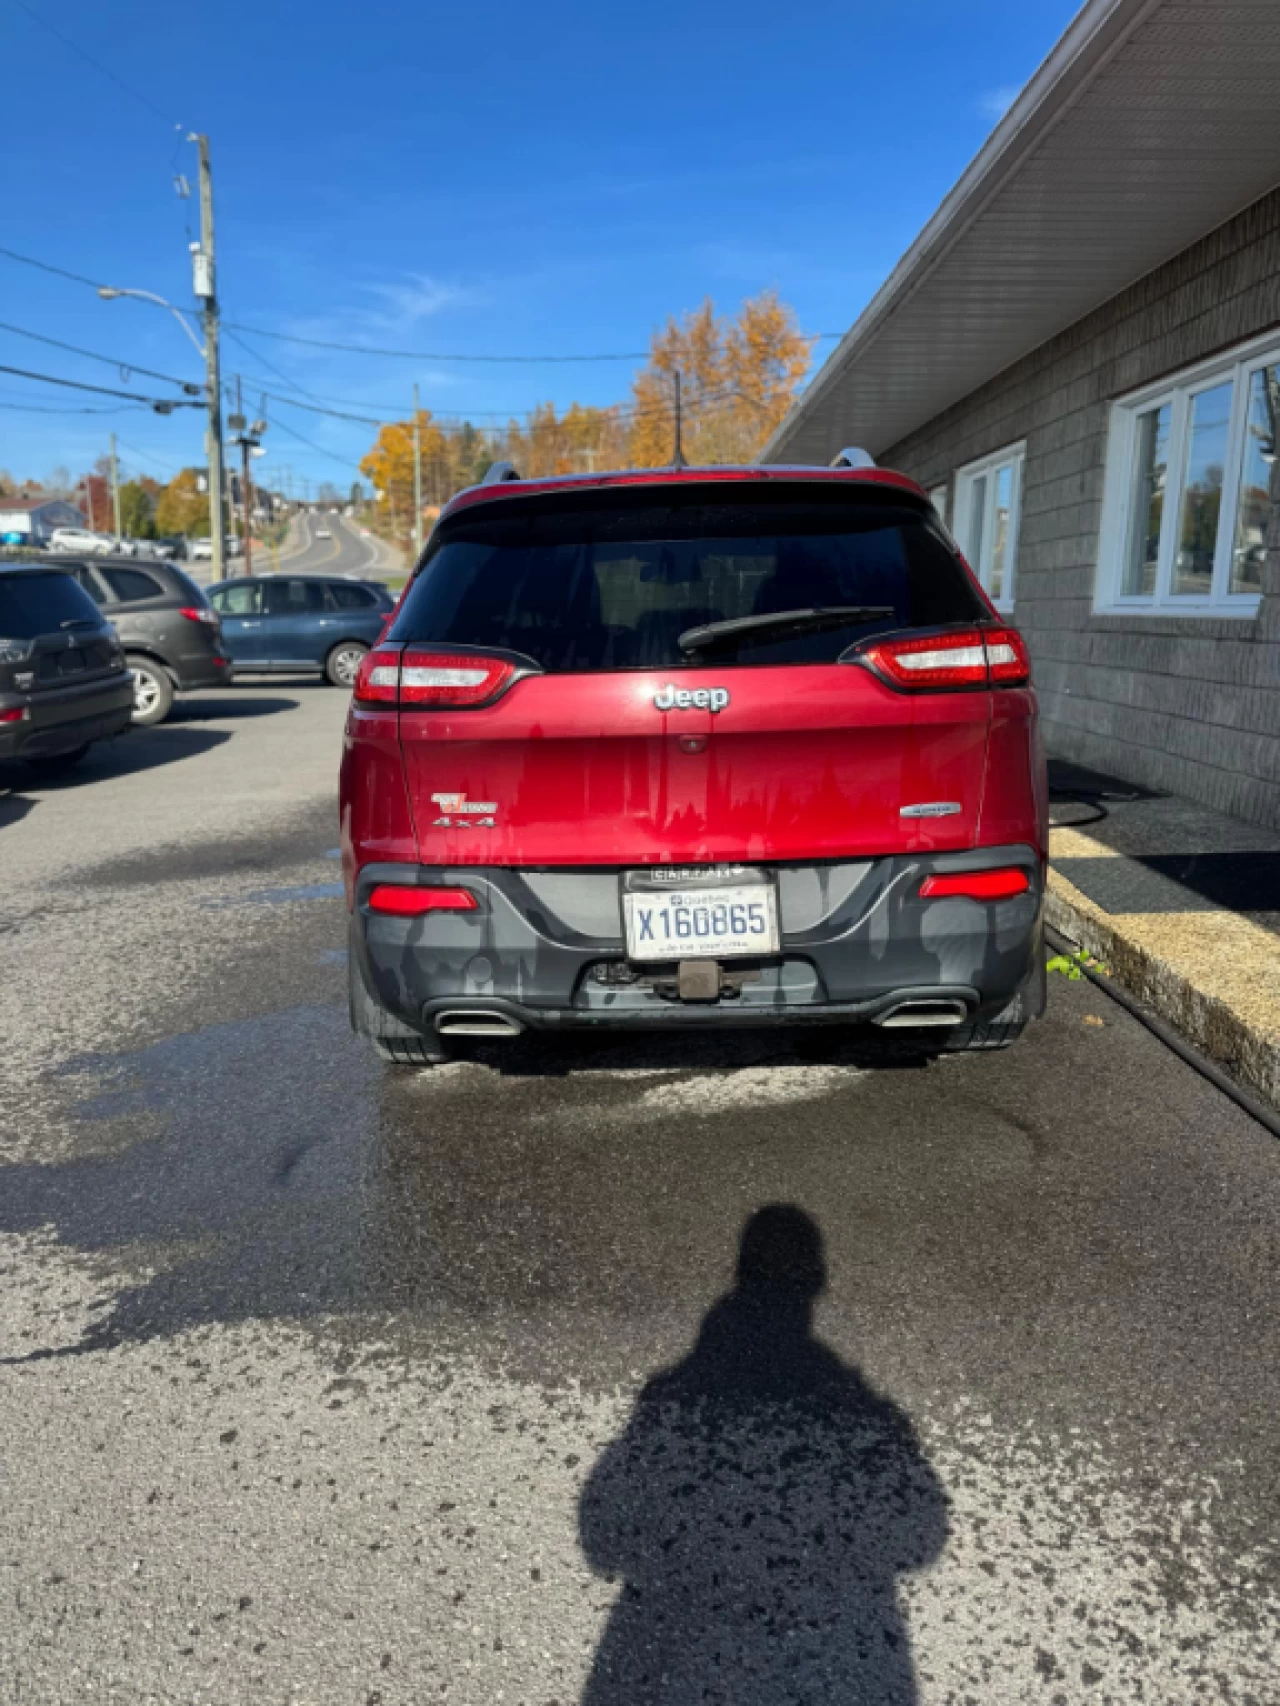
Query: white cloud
[996,102]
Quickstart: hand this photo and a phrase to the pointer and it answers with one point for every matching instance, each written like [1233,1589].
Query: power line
[46,266]
[162,405]
[233,326]
[43,409]
[125,367]
[96,63]
[312,445]
[149,456]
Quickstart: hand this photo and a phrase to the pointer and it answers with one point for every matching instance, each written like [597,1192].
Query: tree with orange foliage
[389,465]
[738,379]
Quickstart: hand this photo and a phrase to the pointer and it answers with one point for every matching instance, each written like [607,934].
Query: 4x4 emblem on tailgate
[462,813]
[672,698]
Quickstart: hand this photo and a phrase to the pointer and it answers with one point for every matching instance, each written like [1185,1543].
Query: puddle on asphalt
[275,1170]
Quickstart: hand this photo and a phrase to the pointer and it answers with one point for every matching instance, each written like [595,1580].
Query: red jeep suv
[693,747]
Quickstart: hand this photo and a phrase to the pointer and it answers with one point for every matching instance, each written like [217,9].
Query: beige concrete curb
[1209,1022]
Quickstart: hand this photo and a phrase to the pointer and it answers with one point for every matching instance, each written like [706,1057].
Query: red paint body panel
[374,817]
[1015,798]
[805,762]
[677,476]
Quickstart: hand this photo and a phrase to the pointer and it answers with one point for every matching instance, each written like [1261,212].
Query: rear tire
[343,662]
[58,763]
[391,1037]
[409,1051]
[1000,1031]
[152,691]
[967,1037]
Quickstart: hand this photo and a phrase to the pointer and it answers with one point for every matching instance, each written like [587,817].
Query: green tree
[137,512]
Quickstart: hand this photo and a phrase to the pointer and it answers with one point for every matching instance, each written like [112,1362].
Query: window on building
[1191,485]
[988,507]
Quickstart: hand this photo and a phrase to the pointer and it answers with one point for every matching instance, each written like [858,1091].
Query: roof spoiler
[497,472]
[851,458]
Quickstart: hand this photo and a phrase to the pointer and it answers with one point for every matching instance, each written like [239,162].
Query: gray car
[170,632]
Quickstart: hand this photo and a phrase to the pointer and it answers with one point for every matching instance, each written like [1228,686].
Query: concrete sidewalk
[1183,907]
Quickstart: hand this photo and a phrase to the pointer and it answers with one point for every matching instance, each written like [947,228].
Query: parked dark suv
[297,623]
[171,635]
[63,678]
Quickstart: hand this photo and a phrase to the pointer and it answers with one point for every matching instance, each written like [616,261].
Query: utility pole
[115,487]
[246,484]
[678,459]
[417,479]
[206,290]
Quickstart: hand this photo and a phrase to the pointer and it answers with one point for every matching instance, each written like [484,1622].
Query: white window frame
[1178,391]
[938,498]
[1012,456]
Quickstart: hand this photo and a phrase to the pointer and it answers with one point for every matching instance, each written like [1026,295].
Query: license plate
[721,922]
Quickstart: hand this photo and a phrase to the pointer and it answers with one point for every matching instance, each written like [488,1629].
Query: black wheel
[152,691]
[342,663]
[410,1051]
[391,1037]
[966,1037]
[58,763]
[1000,1031]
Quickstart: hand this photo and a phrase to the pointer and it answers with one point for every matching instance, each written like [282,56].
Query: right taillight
[977,885]
[961,657]
[416,678]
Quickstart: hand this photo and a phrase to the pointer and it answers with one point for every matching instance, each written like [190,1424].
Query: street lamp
[109,292]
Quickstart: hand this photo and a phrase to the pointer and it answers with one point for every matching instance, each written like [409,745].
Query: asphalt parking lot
[323,1382]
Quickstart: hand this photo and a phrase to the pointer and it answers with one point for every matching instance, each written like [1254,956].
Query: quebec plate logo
[458,812]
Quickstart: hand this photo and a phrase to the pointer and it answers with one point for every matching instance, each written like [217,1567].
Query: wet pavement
[750,1370]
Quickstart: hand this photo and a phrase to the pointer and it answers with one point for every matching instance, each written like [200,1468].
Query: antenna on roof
[852,458]
[497,472]
[677,455]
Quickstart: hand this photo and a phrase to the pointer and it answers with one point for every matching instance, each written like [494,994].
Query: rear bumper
[193,674]
[857,941]
[60,719]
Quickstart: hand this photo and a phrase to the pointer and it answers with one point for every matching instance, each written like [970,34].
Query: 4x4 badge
[462,813]
[672,698]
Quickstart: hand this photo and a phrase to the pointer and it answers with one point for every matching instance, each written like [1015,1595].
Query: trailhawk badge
[672,698]
[461,813]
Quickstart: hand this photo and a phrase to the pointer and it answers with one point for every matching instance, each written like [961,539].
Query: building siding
[1185,704]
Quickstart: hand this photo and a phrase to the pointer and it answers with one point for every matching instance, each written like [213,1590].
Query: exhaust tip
[476,1022]
[911,1013]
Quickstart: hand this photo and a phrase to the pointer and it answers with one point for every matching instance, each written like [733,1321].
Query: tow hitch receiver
[698,980]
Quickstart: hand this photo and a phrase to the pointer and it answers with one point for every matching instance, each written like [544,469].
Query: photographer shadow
[760,1508]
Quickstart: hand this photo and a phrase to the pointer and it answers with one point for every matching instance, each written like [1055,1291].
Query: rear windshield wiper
[79,622]
[780,622]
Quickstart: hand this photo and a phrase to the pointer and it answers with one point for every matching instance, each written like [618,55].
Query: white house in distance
[1079,357]
[35,519]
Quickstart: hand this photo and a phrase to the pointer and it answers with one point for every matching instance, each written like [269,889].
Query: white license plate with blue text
[711,923]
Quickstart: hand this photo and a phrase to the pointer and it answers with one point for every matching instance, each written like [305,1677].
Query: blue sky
[497,178]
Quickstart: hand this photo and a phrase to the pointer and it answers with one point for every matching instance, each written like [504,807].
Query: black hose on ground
[1265,1116]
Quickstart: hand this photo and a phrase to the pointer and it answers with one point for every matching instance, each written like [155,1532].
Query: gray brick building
[1080,358]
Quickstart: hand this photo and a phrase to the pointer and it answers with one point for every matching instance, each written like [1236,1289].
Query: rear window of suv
[611,581]
[31,605]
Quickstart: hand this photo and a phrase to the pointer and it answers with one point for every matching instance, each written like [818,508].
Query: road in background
[348,550]
[327,1382]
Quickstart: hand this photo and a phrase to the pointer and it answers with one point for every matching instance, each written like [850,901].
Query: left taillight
[962,657]
[418,679]
[402,900]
